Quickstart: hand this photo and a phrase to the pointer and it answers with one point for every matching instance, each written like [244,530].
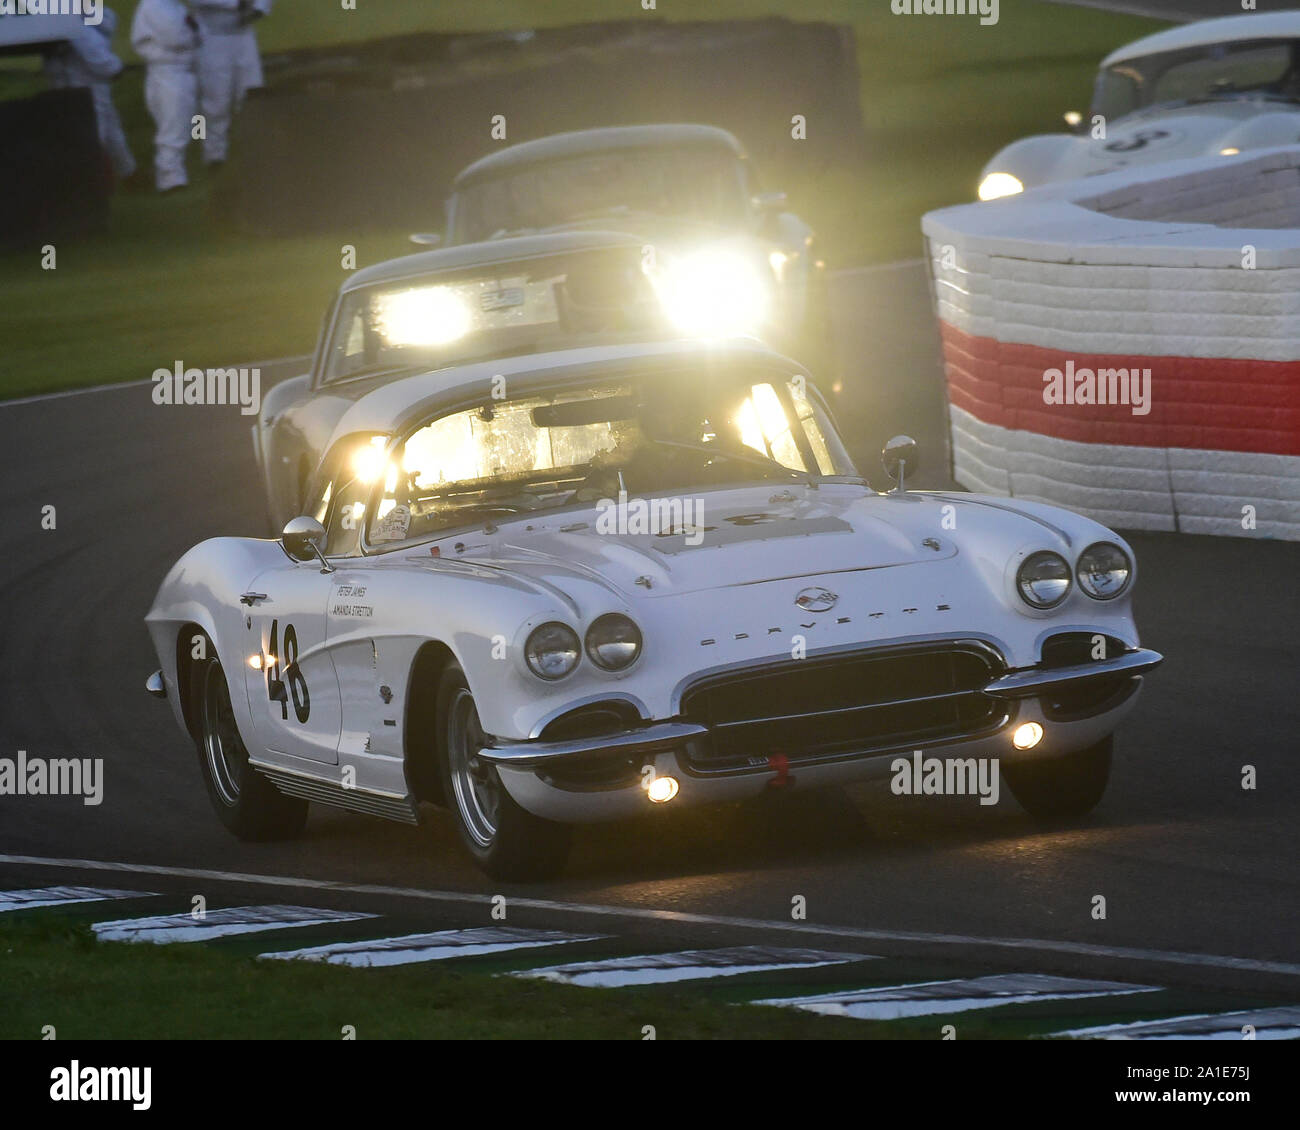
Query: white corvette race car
[1213,88]
[590,584]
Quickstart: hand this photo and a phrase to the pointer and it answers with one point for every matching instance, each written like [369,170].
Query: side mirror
[901,457]
[304,539]
[425,238]
[769,201]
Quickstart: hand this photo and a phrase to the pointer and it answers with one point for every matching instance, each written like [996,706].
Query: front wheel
[506,841]
[244,800]
[1062,788]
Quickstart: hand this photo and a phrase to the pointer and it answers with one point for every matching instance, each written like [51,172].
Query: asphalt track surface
[1189,863]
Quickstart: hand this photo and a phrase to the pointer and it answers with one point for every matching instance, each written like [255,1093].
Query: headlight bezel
[1043,555]
[1128,571]
[592,649]
[531,648]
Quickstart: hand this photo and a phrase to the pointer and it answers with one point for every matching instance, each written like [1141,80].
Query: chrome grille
[844,706]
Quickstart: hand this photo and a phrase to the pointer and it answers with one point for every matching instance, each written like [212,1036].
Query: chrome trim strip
[390,806]
[1035,680]
[849,709]
[1010,711]
[651,739]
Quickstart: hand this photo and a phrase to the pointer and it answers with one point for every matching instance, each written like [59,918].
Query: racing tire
[505,841]
[1064,788]
[244,800]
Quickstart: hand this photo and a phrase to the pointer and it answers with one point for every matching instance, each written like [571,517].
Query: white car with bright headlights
[600,583]
[439,309]
[727,256]
[1214,89]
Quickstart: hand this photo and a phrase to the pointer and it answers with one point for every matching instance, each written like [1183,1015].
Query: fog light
[255,662]
[662,789]
[1027,735]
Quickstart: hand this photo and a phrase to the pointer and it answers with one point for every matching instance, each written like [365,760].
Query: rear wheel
[1062,788]
[244,800]
[506,841]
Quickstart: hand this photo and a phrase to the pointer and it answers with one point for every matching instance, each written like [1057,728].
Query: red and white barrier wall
[1190,271]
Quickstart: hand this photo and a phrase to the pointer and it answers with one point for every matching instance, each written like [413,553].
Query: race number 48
[277,680]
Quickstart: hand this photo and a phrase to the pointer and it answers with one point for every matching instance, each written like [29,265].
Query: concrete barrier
[1128,345]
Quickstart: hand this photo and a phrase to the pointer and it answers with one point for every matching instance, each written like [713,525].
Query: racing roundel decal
[1139,139]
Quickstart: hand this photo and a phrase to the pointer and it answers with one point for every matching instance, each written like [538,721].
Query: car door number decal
[276,679]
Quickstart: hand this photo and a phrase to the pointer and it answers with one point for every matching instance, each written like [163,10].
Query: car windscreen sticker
[393,526]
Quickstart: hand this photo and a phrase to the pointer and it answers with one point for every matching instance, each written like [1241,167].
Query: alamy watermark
[987,10]
[946,776]
[90,11]
[179,385]
[1098,386]
[58,776]
[662,517]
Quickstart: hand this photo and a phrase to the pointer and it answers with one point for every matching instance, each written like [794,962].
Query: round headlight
[1104,570]
[552,650]
[613,642]
[997,185]
[1043,579]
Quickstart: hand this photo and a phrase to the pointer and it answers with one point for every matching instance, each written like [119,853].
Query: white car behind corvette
[589,584]
[1212,88]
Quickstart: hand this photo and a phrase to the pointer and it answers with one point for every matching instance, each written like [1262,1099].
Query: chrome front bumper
[659,737]
[655,738]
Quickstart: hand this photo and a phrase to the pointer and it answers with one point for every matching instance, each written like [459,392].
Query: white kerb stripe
[856,934]
[58,896]
[931,998]
[688,965]
[438,946]
[1268,1024]
[219,923]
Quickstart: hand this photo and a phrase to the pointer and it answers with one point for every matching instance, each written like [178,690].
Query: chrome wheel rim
[474,781]
[222,746]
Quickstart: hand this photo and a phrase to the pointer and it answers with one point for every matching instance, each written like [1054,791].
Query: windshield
[705,186]
[504,458]
[1250,68]
[553,303]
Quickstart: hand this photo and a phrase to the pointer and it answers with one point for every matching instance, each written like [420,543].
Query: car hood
[718,540]
[674,235]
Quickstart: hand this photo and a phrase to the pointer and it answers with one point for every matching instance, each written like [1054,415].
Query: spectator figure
[87,60]
[229,66]
[166,36]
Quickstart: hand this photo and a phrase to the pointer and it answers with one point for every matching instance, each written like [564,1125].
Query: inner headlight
[999,184]
[552,650]
[713,294]
[1104,570]
[613,641]
[1043,579]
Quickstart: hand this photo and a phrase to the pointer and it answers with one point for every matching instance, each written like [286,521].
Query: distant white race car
[1212,88]
[589,584]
